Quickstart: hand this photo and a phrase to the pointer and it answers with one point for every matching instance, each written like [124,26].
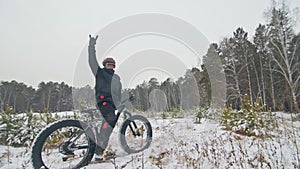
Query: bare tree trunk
[28,104]
[9,96]
[2,101]
[43,101]
[237,86]
[248,77]
[58,103]
[48,98]
[15,103]
[272,87]
[296,105]
[258,83]
[262,81]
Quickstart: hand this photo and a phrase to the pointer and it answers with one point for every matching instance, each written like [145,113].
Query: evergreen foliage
[21,129]
[250,120]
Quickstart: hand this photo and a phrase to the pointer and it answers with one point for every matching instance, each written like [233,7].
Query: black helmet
[108,60]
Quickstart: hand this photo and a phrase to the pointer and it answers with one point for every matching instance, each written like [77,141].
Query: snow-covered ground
[59,114]
[179,143]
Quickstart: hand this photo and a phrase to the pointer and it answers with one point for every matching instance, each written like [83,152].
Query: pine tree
[260,41]
[9,125]
[250,120]
[28,129]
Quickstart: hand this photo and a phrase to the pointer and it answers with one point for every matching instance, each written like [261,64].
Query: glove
[93,40]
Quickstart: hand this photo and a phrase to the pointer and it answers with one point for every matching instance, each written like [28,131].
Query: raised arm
[92,55]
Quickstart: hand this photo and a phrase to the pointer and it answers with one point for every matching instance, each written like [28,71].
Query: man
[108,95]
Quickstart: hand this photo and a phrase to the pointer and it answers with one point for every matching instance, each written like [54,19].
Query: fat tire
[38,143]
[125,124]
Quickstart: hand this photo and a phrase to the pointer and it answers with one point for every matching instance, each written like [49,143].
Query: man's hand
[93,40]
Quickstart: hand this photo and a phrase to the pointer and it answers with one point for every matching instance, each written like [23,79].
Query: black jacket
[108,85]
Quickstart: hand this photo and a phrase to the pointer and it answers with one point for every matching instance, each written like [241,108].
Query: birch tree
[233,69]
[283,44]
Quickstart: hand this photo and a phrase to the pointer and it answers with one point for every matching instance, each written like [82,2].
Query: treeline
[185,93]
[50,96]
[152,94]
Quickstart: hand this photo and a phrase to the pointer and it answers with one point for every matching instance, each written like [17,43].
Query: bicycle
[79,137]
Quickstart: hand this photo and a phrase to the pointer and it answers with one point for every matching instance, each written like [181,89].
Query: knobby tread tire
[40,139]
[123,130]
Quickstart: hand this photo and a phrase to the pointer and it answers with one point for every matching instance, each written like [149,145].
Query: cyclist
[108,95]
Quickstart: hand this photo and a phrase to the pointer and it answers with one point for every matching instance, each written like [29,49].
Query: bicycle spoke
[136,134]
[77,144]
[135,137]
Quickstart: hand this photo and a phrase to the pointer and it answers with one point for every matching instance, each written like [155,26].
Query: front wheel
[135,134]
[63,144]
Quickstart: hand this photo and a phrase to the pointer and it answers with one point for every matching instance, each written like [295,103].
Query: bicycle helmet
[108,60]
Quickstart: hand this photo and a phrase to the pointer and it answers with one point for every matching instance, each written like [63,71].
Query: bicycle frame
[121,110]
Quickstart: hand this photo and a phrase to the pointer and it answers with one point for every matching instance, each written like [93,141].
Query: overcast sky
[42,40]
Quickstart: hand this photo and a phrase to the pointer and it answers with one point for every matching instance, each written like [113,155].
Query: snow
[13,158]
[59,114]
[180,143]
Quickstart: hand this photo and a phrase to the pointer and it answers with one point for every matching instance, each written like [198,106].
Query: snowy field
[180,143]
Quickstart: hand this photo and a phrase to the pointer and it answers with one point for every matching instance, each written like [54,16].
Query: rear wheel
[135,134]
[63,144]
